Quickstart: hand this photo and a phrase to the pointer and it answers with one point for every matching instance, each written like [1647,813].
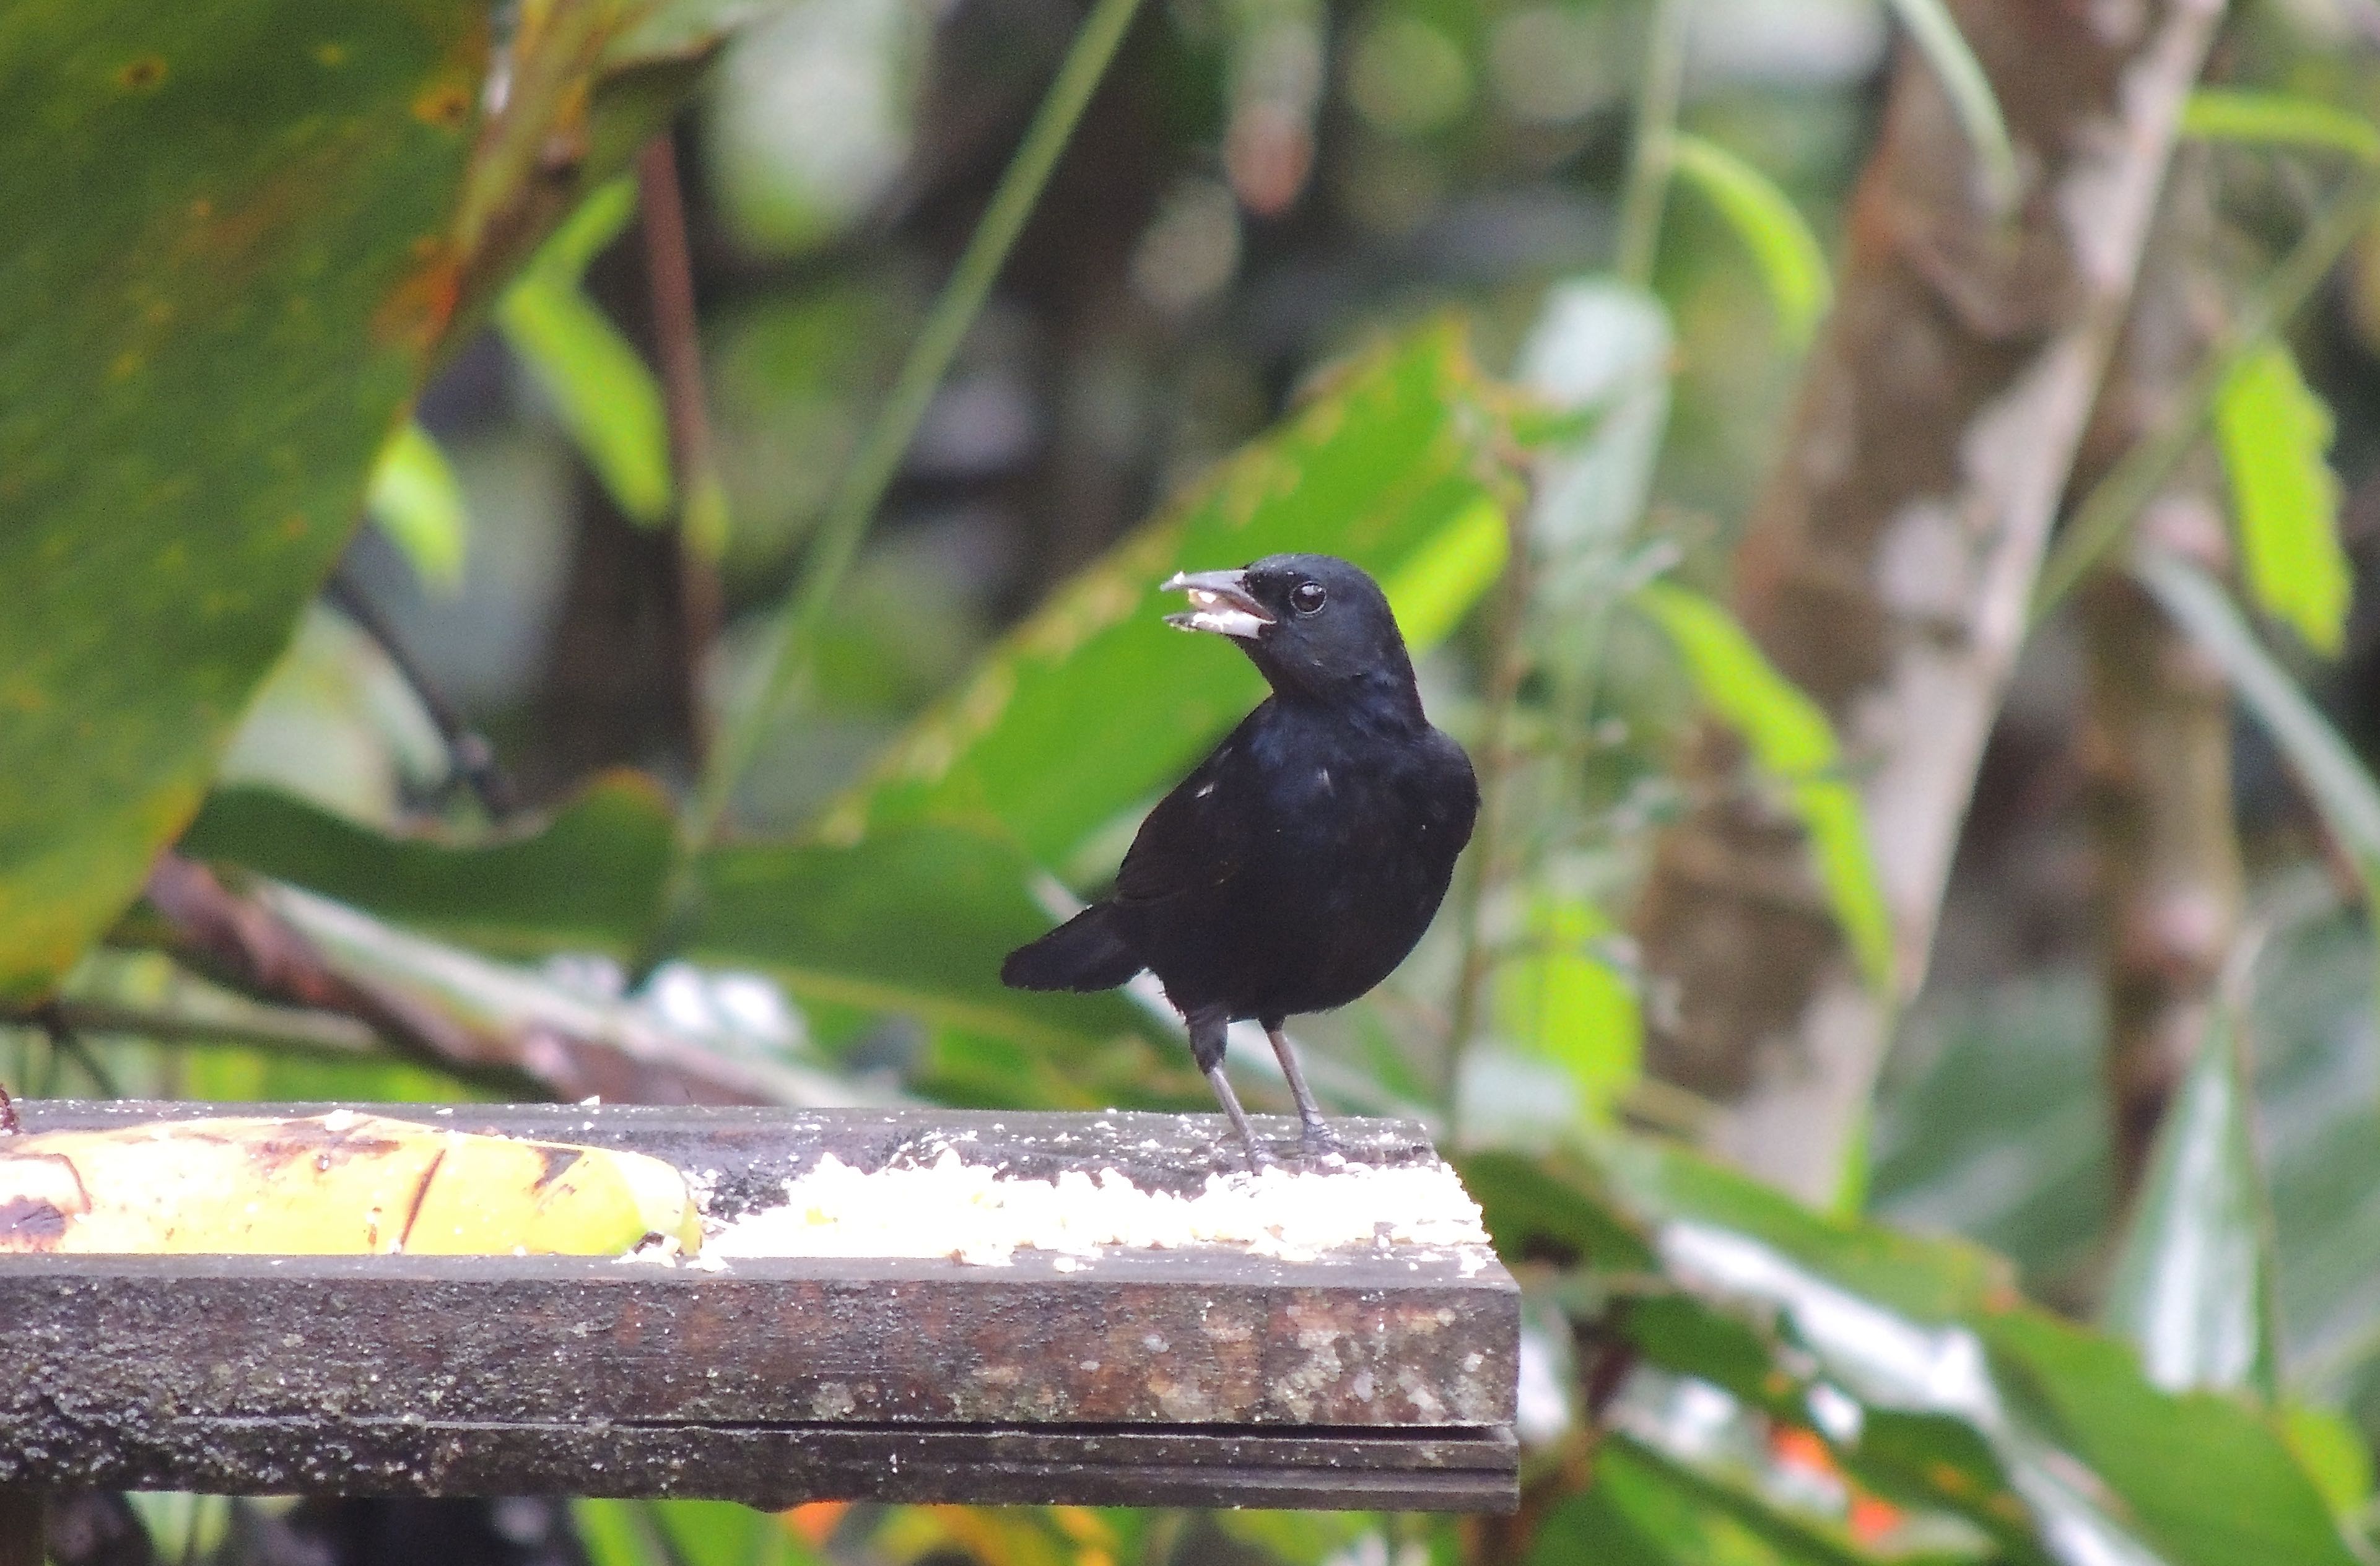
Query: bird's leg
[1318,1137]
[1257,1157]
[1207,1030]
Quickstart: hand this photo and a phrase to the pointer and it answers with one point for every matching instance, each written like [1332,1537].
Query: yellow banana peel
[335,1185]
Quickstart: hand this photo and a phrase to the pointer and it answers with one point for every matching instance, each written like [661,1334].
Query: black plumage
[1303,858]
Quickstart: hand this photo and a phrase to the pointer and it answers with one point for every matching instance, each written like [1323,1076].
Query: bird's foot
[1321,1143]
[8,1126]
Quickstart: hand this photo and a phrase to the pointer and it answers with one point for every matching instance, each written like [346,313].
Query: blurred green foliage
[237,216]
[1251,345]
[597,384]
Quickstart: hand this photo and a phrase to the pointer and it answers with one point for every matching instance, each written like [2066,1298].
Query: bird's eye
[1308,597]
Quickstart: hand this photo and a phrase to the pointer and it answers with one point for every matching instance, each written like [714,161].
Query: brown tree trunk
[1887,567]
[2156,742]
[617,687]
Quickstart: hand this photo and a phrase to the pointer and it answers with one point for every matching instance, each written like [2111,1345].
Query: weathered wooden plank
[786,1465]
[1205,1376]
[1188,1339]
[754,1151]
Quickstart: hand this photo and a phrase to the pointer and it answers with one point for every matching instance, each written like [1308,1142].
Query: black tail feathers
[1085,953]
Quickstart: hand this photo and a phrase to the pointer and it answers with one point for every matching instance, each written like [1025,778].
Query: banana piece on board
[337,1185]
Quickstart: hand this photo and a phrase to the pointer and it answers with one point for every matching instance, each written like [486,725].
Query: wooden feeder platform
[1181,1377]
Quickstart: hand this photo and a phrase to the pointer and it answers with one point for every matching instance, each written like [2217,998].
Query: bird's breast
[1343,843]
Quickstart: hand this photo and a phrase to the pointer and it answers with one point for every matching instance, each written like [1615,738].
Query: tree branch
[1889,566]
[2156,744]
[2106,513]
[450,1008]
[117,992]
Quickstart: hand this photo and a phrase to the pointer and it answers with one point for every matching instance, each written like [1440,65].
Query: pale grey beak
[1219,602]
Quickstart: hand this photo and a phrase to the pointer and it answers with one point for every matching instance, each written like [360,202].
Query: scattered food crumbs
[973,1213]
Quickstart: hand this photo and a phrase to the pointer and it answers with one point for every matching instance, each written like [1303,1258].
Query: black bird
[1303,858]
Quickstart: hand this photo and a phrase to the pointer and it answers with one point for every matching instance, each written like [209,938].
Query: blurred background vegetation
[608,546]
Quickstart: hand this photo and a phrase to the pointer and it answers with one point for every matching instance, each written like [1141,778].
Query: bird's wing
[1195,839]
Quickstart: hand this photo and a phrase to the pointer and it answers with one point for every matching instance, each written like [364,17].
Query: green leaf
[2100,1457]
[2334,1456]
[721,1533]
[2278,119]
[1926,1431]
[812,915]
[817,916]
[1644,1511]
[615,1532]
[1792,740]
[1792,265]
[417,504]
[2208,1481]
[605,398]
[1999,1135]
[2275,434]
[1961,1398]
[2192,1288]
[672,30]
[1095,704]
[1935,32]
[180,1525]
[1558,1000]
[599,386]
[2341,789]
[1723,1492]
[586,879]
[1451,569]
[600,81]
[237,229]
[1927,1280]
[1298,1535]
[586,234]
[1556,1205]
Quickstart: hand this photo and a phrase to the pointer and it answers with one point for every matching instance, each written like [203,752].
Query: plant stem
[67,1040]
[1656,117]
[281,1029]
[470,759]
[1509,664]
[702,503]
[1640,232]
[783,660]
[2105,516]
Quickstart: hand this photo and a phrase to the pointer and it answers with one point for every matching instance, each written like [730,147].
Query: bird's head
[1315,625]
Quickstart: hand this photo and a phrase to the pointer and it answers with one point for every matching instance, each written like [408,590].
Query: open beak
[1219,602]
